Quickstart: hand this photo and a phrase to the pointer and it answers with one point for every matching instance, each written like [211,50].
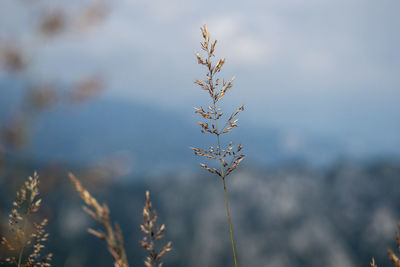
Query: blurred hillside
[291,216]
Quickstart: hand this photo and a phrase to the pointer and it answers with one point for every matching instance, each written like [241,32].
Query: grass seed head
[228,159]
[153,234]
[112,234]
[26,237]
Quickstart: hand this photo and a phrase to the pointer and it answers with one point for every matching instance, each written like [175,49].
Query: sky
[306,67]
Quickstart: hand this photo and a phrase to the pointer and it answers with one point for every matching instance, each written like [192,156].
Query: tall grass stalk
[26,237]
[112,235]
[101,213]
[153,234]
[228,158]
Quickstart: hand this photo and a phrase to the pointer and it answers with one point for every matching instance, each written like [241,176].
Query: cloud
[242,46]
[160,11]
[309,64]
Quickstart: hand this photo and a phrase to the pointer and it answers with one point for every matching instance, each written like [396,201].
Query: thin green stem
[229,221]
[223,180]
[215,110]
[21,250]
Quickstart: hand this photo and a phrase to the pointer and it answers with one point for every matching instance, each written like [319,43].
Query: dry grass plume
[25,238]
[228,157]
[153,234]
[100,213]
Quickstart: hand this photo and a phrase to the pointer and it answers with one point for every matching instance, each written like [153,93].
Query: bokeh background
[106,90]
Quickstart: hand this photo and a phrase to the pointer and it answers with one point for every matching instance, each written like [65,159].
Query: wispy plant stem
[229,221]
[26,243]
[214,114]
[223,180]
[113,236]
[21,250]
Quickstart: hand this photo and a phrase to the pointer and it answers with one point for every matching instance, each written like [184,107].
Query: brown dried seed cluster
[42,97]
[113,235]
[372,263]
[392,256]
[57,21]
[229,157]
[25,242]
[153,233]
[53,23]
[12,58]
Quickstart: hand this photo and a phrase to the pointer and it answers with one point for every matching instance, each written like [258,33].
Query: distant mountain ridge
[150,138]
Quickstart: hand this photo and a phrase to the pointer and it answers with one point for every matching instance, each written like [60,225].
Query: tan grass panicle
[100,213]
[392,256]
[154,233]
[26,237]
[228,157]
[372,263]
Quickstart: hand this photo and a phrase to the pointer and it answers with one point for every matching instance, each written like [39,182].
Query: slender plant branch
[23,239]
[223,180]
[100,213]
[230,225]
[21,250]
[214,114]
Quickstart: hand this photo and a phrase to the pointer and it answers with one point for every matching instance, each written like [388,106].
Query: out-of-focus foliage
[18,59]
[25,238]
